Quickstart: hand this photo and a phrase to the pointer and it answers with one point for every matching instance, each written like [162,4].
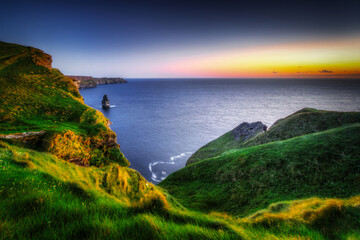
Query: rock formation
[105,102]
[247,130]
[90,82]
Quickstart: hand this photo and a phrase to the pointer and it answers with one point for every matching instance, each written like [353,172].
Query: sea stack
[105,102]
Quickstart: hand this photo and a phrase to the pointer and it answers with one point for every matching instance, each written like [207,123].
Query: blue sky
[140,38]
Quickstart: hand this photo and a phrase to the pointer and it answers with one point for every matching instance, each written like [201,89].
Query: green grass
[324,164]
[302,122]
[225,195]
[215,148]
[43,197]
[35,97]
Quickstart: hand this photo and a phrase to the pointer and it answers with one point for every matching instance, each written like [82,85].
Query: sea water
[161,122]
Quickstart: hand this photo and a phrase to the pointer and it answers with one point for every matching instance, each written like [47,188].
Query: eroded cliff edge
[90,82]
[38,98]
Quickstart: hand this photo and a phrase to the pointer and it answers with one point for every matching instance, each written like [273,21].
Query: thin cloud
[275,72]
[325,71]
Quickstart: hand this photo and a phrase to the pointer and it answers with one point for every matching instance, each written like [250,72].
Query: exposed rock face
[84,81]
[105,102]
[247,130]
[100,81]
[40,58]
[233,139]
[21,135]
[89,82]
[36,96]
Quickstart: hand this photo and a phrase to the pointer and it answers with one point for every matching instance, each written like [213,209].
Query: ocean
[161,122]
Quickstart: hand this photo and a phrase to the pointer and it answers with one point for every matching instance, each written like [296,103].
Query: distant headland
[90,82]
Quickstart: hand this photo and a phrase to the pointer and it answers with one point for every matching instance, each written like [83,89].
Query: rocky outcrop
[105,102]
[84,81]
[246,130]
[100,81]
[90,82]
[21,135]
[40,58]
[38,97]
[233,139]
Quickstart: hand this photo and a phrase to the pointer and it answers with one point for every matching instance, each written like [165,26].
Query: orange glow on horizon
[332,58]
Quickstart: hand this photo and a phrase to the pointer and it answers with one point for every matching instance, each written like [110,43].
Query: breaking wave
[158,176]
[111,106]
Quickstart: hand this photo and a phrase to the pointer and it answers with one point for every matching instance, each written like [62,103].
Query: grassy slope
[48,198]
[302,122]
[216,147]
[45,197]
[35,97]
[325,164]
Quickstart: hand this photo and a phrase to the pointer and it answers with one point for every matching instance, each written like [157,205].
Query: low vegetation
[62,175]
[304,121]
[36,97]
[324,164]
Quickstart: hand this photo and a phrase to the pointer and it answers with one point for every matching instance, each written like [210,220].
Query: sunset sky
[151,39]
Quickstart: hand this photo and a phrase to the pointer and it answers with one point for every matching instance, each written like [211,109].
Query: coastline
[91,82]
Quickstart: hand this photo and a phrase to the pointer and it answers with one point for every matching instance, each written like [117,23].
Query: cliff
[230,140]
[37,97]
[63,176]
[309,153]
[302,122]
[89,82]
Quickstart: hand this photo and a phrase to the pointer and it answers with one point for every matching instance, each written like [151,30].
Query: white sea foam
[179,156]
[111,106]
[172,159]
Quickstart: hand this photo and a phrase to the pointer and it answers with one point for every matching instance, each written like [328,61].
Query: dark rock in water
[105,102]
[247,130]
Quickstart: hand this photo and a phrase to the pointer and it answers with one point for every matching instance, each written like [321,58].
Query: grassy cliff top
[37,98]
[45,127]
[241,181]
[302,122]
[48,198]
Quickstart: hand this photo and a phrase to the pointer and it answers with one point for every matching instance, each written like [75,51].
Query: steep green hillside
[231,140]
[302,122]
[47,106]
[44,197]
[62,175]
[324,164]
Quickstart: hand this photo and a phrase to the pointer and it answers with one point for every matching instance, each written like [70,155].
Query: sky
[180,39]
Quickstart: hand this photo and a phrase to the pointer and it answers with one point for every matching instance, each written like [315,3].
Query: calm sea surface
[160,123]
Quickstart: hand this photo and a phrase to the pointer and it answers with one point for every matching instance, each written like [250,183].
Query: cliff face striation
[90,82]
